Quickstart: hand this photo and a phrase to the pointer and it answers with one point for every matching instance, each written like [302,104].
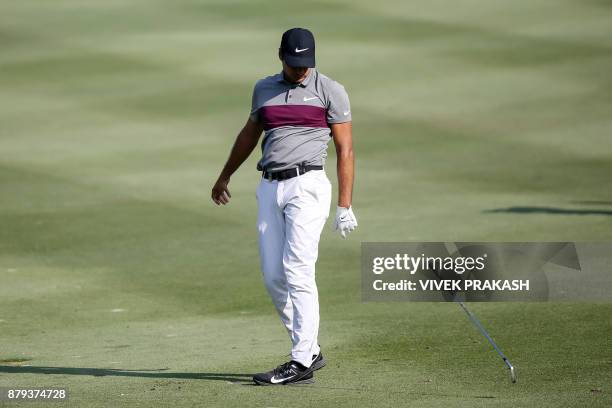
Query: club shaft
[484,332]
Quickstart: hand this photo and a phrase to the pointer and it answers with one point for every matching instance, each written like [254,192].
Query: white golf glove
[345,221]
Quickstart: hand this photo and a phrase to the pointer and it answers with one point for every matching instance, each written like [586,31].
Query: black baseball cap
[298,48]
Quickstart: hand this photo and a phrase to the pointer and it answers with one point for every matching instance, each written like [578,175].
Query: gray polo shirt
[296,118]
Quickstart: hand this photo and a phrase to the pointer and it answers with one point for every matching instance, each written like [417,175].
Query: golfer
[299,110]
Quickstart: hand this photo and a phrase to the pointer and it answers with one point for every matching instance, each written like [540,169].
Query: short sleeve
[338,107]
[254,115]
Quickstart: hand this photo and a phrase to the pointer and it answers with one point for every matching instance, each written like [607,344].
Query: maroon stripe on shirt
[292,115]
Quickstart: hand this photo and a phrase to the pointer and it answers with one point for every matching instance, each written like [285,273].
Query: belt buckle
[269,178]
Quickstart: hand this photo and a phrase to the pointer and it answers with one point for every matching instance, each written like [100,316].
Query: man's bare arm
[343,140]
[243,146]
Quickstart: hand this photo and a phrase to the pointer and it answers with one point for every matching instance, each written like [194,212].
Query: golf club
[484,332]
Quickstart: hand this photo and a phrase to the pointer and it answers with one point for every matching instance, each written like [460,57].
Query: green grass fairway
[121,281]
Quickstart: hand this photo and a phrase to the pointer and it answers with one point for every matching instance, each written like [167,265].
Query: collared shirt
[296,118]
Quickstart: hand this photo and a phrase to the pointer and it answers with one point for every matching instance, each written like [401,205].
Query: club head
[512,374]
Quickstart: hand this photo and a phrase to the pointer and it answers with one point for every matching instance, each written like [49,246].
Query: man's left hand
[345,221]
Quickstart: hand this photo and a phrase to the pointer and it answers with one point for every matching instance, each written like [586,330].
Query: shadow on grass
[239,379]
[103,372]
[549,210]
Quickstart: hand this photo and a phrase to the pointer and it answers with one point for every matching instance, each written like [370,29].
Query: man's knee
[275,280]
[301,278]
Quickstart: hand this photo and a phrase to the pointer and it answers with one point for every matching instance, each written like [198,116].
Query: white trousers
[291,216]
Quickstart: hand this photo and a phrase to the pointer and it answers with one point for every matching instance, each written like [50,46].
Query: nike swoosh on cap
[347,112]
[310,99]
[298,50]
